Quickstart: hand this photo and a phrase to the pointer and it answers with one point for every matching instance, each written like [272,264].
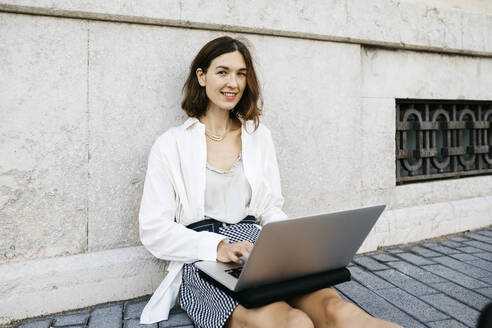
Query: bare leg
[327,309]
[279,314]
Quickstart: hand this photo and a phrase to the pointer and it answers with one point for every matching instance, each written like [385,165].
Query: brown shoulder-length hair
[195,99]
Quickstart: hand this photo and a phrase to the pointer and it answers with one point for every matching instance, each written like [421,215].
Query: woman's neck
[216,120]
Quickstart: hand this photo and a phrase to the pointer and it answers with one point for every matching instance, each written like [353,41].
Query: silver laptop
[297,247]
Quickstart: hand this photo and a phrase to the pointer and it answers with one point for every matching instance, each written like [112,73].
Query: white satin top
[227,193]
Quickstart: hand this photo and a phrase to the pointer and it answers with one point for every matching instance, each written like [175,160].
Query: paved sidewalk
[444,283]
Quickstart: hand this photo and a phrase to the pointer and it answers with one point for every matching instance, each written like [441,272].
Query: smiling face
[224,81]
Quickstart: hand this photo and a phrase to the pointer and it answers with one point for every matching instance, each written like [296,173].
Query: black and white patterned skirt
[205,304]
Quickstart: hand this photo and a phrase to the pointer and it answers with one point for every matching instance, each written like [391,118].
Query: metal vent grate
[442,139]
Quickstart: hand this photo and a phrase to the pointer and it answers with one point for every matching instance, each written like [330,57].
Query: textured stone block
[441,249]
[424,251]
[40,323]
[403,74]
[470,250]
[133,309]
[409,224]
[185,326]
[296,161]
[472,29]
[480,237]
[94,278]
[446,324]
[43,137]
[135,323]
[473,213]
[314,124]
[464,257]
[152,9]
[455,276]
[416,272]
[106,317]
[176,319]
[72,319]
[485,232]
[394,250]
[414,259]
[487,291]
[412,305]
[383,223]
[452,244]
[483,255]
[463,267]
[453,308]
[265,14]
[405,282]
[486,265]
[464,295]
[407,218]
[459,239]
[369,263]
[439,199]
[368,279]
[373,241]
[123,127]
[480,245]
[378,146]
[376,305]
[383,257]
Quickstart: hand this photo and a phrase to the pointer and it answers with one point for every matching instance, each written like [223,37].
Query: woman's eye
[222,72]
[242,73]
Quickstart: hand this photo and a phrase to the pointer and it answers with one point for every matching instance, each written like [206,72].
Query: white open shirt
[174,197]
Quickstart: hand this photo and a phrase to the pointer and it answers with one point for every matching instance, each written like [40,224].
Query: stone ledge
[411,224]
[77,281]
[386,23]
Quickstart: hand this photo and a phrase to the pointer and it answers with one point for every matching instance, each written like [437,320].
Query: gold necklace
[218,137]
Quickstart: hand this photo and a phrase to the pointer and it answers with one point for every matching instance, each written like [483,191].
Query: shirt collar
[189,122]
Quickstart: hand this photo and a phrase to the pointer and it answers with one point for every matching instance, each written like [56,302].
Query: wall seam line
[88,133]
[396,45]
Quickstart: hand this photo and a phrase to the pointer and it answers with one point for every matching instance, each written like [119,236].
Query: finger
[238,252]
[245,251]
[249,246]
[244,247]
[235,259]
[243,244]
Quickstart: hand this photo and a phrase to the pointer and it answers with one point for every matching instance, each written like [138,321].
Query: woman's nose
[232,81]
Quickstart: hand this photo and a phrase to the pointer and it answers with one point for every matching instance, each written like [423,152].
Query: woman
[208,182]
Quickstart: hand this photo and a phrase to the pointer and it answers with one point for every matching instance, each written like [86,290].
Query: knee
[298,319]
[337,311]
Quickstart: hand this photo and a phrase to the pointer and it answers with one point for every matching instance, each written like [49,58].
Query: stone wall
[87,86]
[420,210]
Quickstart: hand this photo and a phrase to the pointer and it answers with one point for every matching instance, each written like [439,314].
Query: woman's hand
[231,252]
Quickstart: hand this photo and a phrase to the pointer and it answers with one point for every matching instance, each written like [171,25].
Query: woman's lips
[229,95]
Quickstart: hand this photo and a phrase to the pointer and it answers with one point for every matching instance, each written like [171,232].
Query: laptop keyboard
[234,272]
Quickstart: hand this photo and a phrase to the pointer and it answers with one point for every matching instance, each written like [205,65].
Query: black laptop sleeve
[281,291]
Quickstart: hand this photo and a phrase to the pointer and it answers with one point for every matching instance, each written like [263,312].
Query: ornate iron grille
[442,139]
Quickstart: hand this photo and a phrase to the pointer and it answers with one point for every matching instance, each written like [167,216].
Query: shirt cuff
[207,250]
[274,214]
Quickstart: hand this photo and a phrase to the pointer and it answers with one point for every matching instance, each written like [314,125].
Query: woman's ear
[200,75]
